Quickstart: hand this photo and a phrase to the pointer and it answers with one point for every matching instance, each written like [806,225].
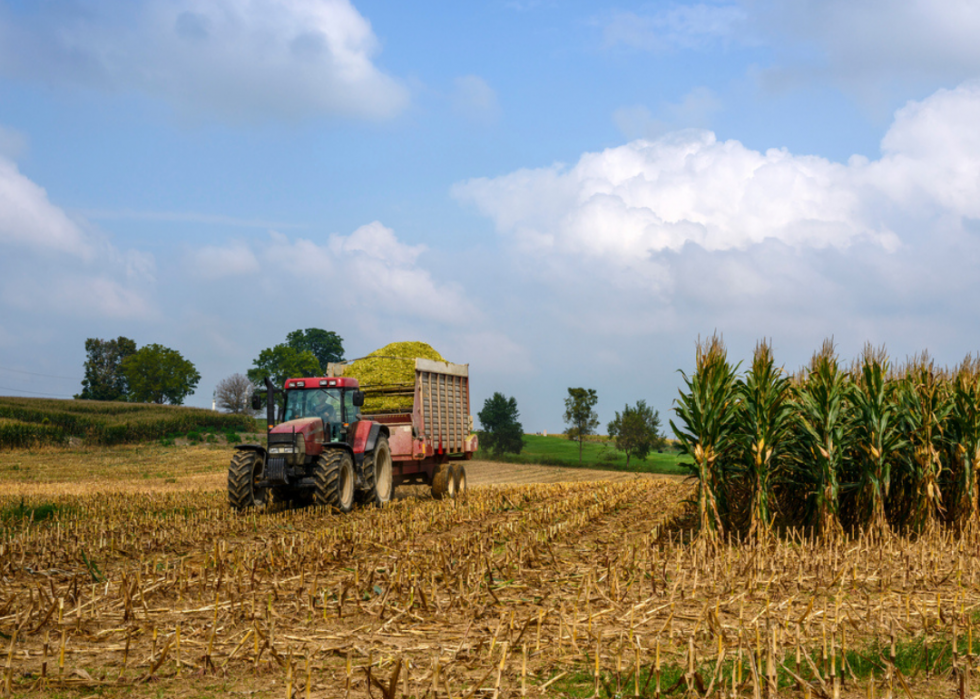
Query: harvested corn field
[119,584]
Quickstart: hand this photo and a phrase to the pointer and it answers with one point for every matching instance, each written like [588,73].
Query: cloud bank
[629,206]
[369,270]
[52,263]
[871,45]
[237,59]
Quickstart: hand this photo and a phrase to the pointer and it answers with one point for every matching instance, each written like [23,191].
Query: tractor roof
[321,382]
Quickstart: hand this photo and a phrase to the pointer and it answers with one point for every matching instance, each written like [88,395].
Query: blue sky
[558,193]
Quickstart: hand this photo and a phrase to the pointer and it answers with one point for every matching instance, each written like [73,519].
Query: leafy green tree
[104,378]
[326,345]
[280,363]
[636,431]
[158,374]
[580,417]
[501,430]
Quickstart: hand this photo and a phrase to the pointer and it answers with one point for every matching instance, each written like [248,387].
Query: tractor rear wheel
[244,473]
[459,478]
[377,474]
[443,483]
[333,478]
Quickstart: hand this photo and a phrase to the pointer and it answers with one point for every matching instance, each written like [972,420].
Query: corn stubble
[510,591]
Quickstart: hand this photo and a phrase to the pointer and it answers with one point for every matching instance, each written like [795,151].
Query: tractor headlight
[281,450]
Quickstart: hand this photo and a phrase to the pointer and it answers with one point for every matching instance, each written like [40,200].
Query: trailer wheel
[333,478]
[244,473]
[459,479]
[377,475]
[443,483]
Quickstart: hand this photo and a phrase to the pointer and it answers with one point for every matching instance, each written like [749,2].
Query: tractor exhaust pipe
[270,403]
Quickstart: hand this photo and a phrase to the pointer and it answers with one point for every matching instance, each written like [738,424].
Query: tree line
[116,370]
[636,430]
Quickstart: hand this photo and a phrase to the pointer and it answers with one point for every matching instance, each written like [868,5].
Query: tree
[158,374]
[501,430]
[104,378]
[326,345]
[233,394]
[636,431]
[580,417]
[280,363]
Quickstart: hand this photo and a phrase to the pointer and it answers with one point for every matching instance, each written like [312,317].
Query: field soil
[123,573]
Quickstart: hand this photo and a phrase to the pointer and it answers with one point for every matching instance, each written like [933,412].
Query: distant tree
[501,430]
[580,418]
[104,378]
[233,394]
[158,374]
[326,345]
[280,363]
[637,431]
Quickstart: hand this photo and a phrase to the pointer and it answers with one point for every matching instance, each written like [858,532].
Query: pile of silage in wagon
[387,376]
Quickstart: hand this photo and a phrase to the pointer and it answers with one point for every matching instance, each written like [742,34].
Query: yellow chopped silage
[387,375]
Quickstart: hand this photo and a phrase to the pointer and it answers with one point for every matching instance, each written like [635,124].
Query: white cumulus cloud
[29,220]
[241,59]
[629,204]
[54,263]
[370,270]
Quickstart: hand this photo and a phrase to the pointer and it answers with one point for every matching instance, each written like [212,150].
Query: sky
[559,194]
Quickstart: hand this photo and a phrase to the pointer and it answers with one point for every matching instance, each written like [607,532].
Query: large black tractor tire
[378,485]
[244,473]
[443,483]
[459,478]
[333,478]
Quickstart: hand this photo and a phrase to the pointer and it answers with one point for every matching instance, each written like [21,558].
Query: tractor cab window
[323,403]
[350,412]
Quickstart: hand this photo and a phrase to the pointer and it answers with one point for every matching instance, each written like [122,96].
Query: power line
[35,393]
[34,373]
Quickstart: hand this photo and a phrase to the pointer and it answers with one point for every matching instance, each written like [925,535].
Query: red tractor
[323,452]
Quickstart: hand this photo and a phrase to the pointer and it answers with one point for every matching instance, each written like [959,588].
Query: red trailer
[429,440]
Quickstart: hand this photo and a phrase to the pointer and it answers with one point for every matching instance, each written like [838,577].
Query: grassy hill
[29,422]
[601,454]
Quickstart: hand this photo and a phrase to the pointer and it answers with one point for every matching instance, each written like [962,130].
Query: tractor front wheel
[334,480]
[244,474]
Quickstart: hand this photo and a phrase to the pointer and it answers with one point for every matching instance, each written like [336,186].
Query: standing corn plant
[821,397]
[877,432]
[964,438]
[763,431]
[925,405]
[707,414]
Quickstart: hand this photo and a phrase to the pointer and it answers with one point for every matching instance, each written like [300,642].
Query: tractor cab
[334,401]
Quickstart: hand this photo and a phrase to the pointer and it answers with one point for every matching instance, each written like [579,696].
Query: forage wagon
[342,441]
